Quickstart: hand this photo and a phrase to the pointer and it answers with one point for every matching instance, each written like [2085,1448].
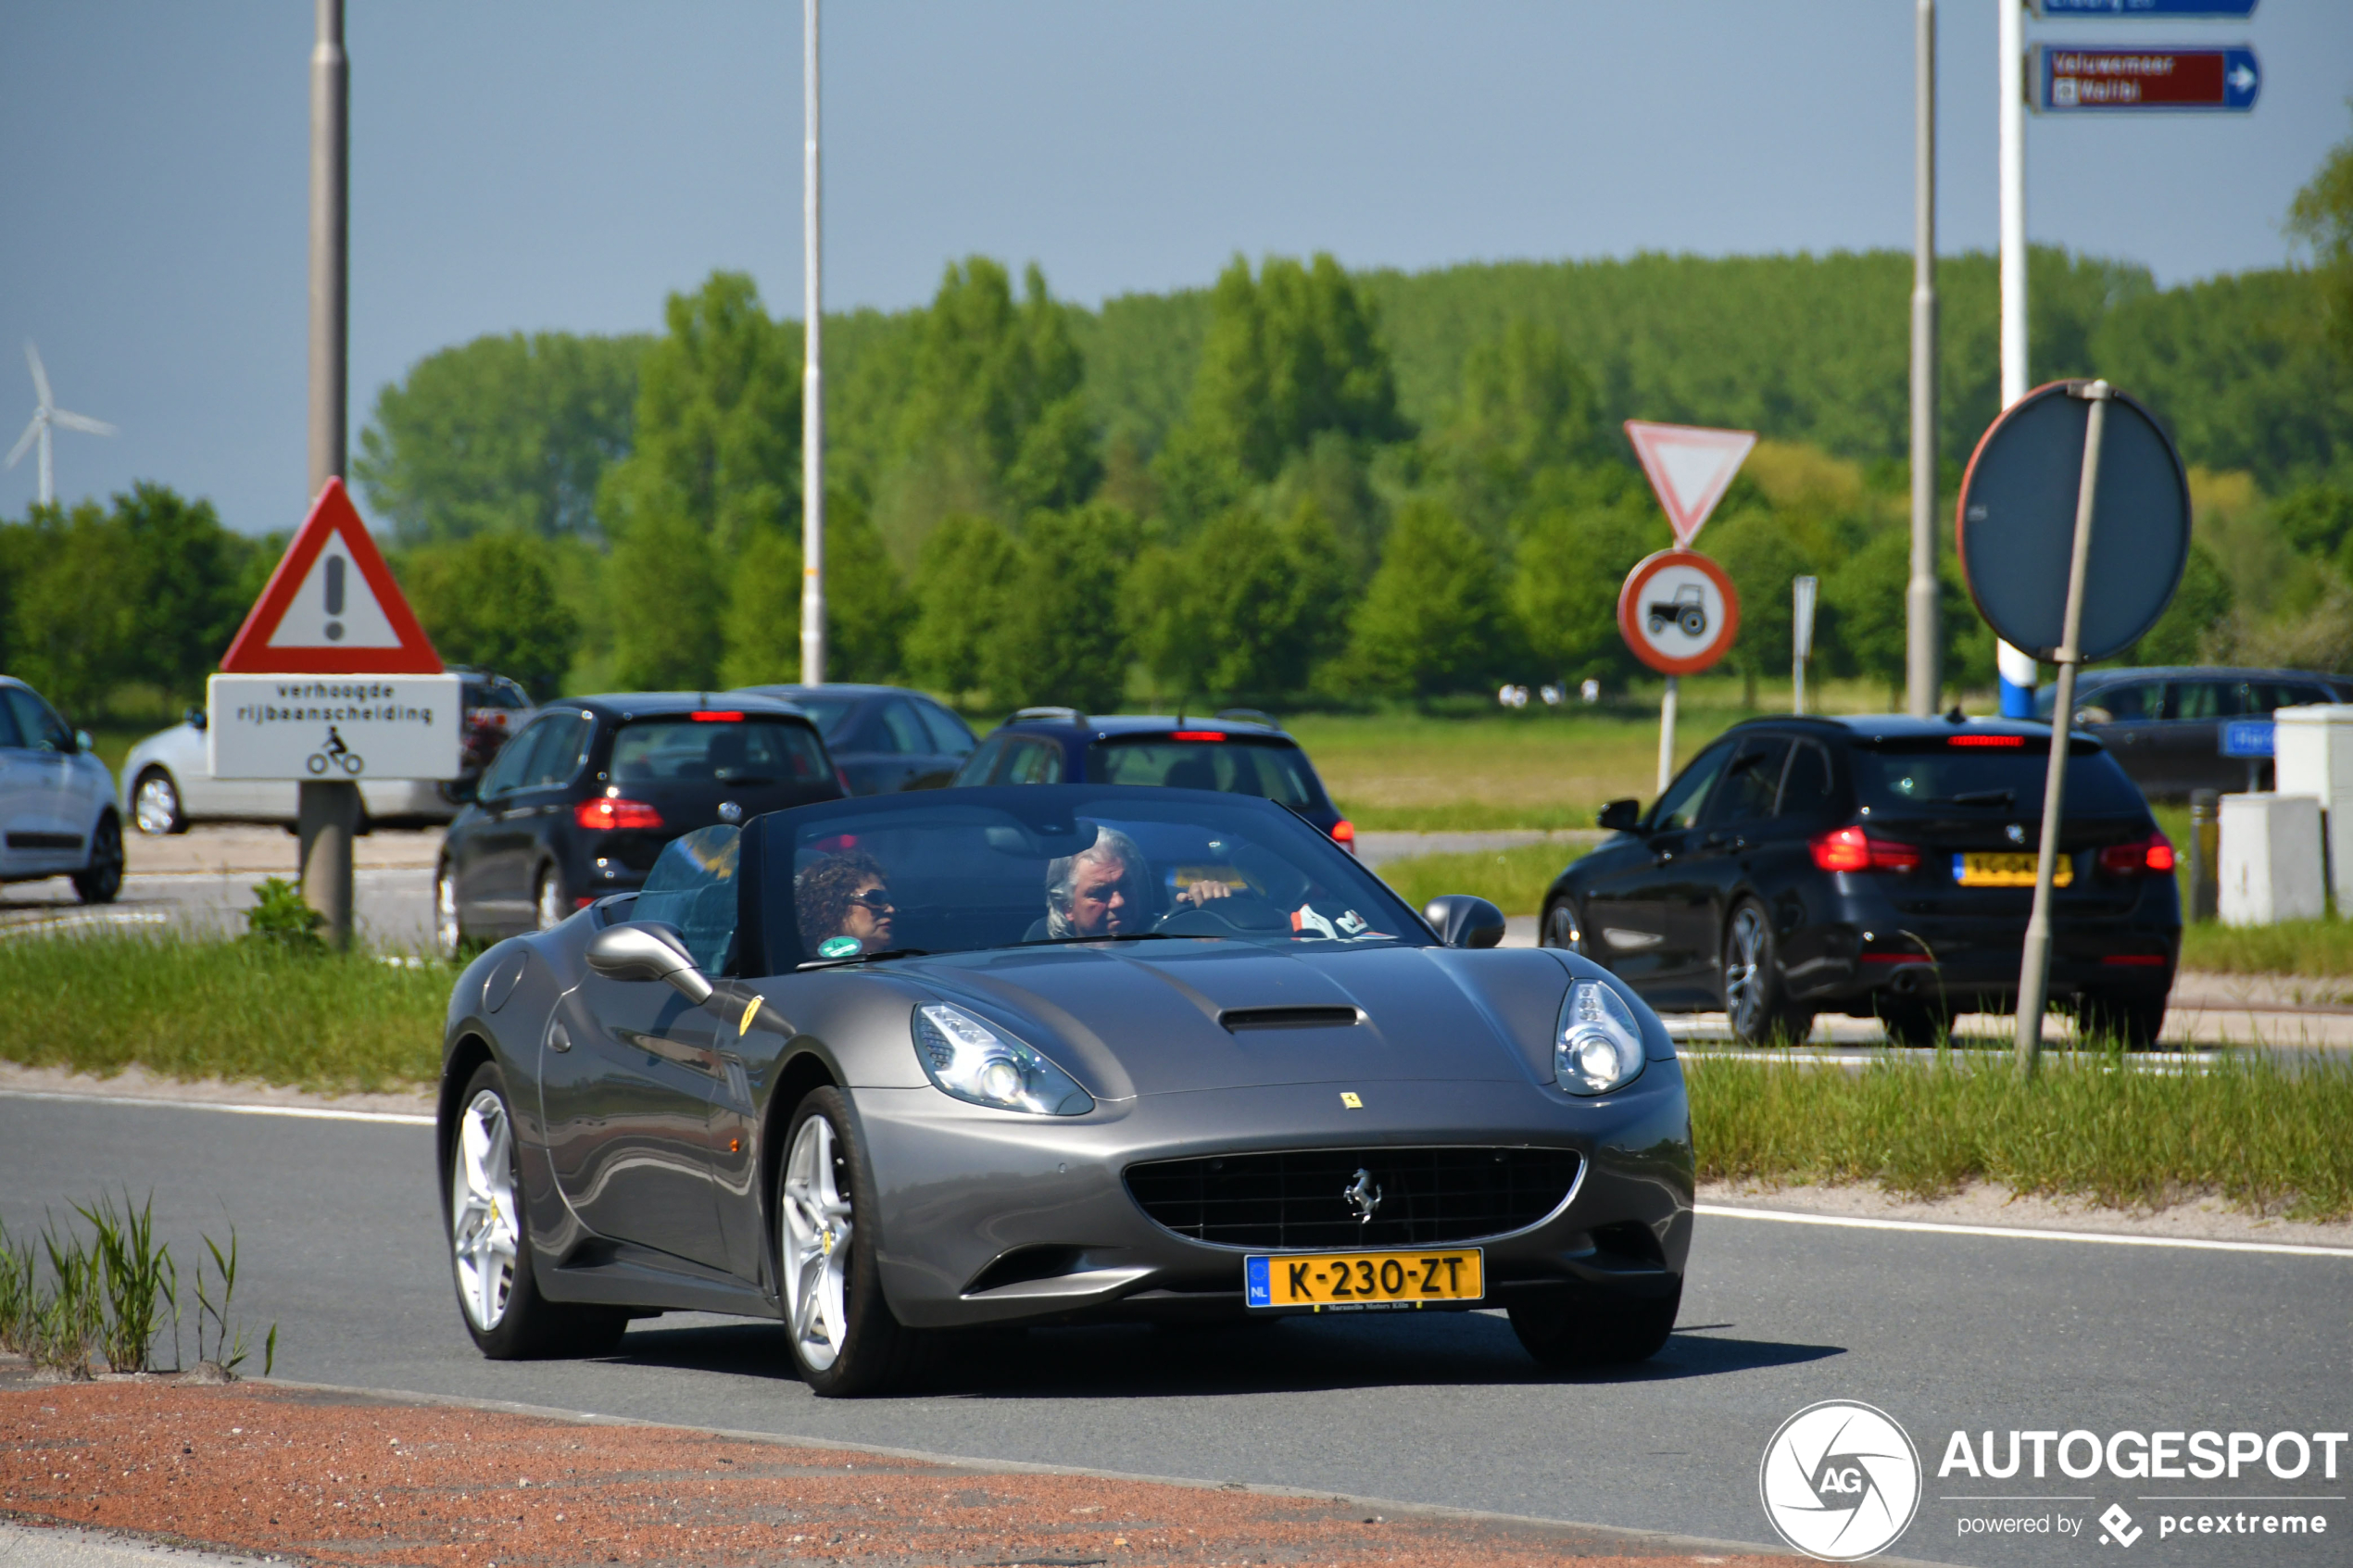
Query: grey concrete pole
[328,814]
[812,381]
[1923,678]
[2034,968]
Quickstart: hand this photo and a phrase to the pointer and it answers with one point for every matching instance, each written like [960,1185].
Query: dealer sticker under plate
[1343,1282]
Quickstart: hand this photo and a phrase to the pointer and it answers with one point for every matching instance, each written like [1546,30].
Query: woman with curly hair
[843,902]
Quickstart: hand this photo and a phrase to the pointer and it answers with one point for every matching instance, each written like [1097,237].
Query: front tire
[154,804]
[1584,1335]
[1564,928]
[99,882]
[1756,995]
[490,1247]
[843,1336]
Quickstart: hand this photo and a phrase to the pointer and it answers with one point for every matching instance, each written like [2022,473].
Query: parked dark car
[581,803]
[1877,866]
[883,738]
[2164,724]
[1236,752]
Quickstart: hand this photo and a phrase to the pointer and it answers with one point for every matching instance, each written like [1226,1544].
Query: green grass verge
[2296,946]
[188,1009]
[1513,879]
[2266,1137]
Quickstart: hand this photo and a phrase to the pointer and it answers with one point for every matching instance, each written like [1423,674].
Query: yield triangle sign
[332,607]
[1690,466]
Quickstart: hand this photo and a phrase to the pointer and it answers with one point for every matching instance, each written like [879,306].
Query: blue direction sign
[2246,737]
[2155,79]
[2237,10]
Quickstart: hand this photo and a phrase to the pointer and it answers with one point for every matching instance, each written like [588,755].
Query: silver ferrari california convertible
[893,1066]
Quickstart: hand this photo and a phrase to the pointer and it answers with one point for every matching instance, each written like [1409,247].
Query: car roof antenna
[1956,716]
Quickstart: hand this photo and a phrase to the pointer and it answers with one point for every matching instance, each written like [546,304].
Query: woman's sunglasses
[873,899]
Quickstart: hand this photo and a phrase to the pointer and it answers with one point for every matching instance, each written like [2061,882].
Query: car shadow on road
[1271,1356]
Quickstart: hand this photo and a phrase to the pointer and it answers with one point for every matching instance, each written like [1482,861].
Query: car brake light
[605,814]
[1344,834]
[719,716]
[1851,849]
[1196,734]
[2150,856]
[1986,740]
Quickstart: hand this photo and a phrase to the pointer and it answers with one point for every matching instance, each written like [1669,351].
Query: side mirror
[1620,816]
[196,717]
[81,741]
[460,792]
[644,950]
[1463,921]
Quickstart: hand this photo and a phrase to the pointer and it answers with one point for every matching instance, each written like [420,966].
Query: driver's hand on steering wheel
[1200,892]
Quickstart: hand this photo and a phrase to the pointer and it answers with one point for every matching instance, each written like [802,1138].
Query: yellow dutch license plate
[2008,871]
[1365,1281]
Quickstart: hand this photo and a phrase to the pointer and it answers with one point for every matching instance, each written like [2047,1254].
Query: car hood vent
[1235,1020]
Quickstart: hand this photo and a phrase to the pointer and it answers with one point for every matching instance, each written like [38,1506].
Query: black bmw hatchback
[1877,867]
[580,802]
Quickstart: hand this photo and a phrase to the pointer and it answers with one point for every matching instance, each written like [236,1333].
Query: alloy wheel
[816,1244]
[156,808]
[447,934]
[1745,972]
[1561,930]
[482,1230]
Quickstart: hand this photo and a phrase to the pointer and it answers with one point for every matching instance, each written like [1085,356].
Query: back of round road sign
[2016,526]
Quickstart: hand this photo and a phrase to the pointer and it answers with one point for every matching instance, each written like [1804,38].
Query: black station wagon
[1877,867]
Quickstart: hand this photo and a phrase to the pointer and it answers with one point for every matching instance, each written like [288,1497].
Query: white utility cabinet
[2270,860]
[2312,754]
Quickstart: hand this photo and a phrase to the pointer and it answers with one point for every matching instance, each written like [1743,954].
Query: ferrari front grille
[1364,1198]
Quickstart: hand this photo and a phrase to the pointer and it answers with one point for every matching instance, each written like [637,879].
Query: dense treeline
[1298,483]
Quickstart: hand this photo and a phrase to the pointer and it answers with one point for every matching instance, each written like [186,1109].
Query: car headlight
[973,1061]
[1597,1046]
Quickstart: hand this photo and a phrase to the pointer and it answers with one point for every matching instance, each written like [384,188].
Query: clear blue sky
[536,165]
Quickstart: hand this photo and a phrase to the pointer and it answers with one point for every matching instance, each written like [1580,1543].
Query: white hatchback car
[58,814]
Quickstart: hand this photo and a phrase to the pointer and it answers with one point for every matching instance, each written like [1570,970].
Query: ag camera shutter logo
[1841,1481]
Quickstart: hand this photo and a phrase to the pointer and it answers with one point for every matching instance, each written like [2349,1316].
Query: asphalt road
[341,1247]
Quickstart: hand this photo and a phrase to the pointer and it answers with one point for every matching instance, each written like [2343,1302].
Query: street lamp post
[813,381]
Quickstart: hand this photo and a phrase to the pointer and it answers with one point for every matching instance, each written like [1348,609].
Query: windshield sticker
[838,947]
[1304,919]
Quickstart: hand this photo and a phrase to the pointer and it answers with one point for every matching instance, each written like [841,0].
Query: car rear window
[828,712]
[1275,773]
[1987,772]
[747,749]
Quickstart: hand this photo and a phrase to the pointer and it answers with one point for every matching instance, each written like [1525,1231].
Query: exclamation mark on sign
[334,598]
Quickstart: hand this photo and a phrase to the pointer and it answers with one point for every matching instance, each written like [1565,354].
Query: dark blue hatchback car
[1237,751]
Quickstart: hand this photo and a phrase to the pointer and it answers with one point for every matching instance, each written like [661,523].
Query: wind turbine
[46,415]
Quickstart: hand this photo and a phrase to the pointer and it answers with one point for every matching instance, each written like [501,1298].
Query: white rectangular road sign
[333,727]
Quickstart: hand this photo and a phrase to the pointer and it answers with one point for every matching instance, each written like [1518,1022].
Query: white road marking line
[306,1113]
[2018,1232]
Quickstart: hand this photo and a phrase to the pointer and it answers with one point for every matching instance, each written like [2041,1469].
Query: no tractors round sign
[1678,613]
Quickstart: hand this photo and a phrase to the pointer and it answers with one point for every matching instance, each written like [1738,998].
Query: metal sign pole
[1802,592]
[813,381]
[1923,679]
[1667,737]
[2034,971]
[327,814]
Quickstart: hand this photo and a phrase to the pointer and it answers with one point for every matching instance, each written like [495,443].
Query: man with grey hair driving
[1105,890]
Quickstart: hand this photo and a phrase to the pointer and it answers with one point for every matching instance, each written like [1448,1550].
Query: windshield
[1993,778]
[1275,773]
[1002,867]
[737,749]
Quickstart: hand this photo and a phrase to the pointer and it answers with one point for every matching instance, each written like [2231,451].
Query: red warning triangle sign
[332,607]
[1690,466]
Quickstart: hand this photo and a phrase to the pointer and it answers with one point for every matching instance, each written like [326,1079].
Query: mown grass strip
[1513,879]
[189,1008]
[2265,1137]
[2296,946]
